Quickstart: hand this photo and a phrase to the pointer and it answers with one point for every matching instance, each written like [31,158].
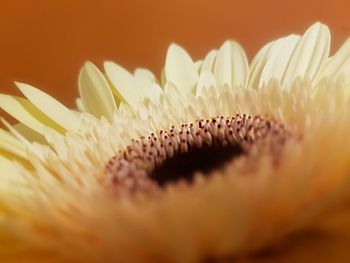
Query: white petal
[127,110]
[231,65]
[29,134]
[278,59]
[95,92]
[142,111]
[310,54]
[80,105]
[7,168]
[180,69]
[339,64]
[155,93]
[11,144]
[345,72]
[146,81]
[162,77]
[50,107]
[208,63]
[123,82]
[25,112]
[172,91]
[198,65]
[258,64]
[206,80]
[145,75]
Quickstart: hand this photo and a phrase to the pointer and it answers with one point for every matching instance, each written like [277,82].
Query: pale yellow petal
[146,81]
[339,64]
[208,62]
[257,65]
[145,75]
[155,93]
[29,134]
[11,144]
[206,80]
[25,112]
[278,59]
[180,69]
[126,109]
[123,83]
[80,105]
[172,92]
[231,65]
[162,77]
[198,65]
[310,54]
[95,92]
[50,107]
[7,167]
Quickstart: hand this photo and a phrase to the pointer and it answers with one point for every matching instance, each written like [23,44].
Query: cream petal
[231,65]
[123,83]
[146,81]
[142,111]
[25,112]
[162,77]
[29,134]
[198,65]
[50,107]
[278,59]
[80,105]
[257,65]
[208,62]
[345,72]
[95,92]
[155,93]
[145,75]
[11,144]
[339,64]
[310,54]
[126,109]
[180,69]
[206,80]
[7,169]
[172,92]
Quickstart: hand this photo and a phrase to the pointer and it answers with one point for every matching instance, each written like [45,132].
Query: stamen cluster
[132,168]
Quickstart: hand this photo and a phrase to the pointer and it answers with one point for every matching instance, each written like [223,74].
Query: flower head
[218,160]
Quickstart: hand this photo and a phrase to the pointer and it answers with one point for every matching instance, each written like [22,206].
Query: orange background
[44,43]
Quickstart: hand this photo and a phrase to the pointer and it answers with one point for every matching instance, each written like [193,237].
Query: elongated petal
[29,134]
[145,75]
[231,65]
[180,69]
[155,93]
[95,92]
[310,54]
[208,62]
[50,107]
[146,81]
[123,82]
[7,168]
[278,59]
[25,112]
[80,105]
[258,64]
[198,65]
[206,80]
[339,64]
[11,144]
[162,77]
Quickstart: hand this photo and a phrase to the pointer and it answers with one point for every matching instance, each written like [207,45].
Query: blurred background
[44,43]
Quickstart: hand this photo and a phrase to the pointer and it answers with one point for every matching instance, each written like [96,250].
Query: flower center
[178,154]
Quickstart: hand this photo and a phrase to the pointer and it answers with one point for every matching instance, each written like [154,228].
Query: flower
[220,160]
